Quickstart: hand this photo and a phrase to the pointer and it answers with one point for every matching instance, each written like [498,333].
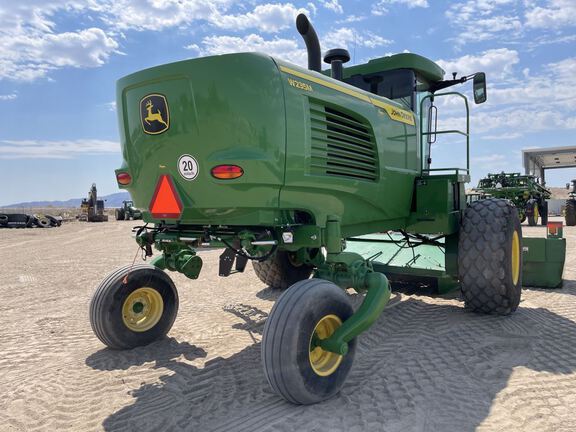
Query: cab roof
[421,65]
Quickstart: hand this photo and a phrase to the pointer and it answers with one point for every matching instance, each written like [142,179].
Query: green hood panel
[222,110]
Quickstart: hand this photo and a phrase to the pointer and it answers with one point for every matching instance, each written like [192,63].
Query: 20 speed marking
[188,167]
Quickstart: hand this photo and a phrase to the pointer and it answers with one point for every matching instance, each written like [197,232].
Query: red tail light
[124,178]
[227,172]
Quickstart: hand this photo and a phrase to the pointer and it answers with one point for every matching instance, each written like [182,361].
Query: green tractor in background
[128,211]
[290,168]
[524,191]
[570,210]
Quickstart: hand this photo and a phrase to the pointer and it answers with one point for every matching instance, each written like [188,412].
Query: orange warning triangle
[165,202]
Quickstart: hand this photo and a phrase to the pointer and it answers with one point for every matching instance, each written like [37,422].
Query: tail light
[124,178]
[227,172]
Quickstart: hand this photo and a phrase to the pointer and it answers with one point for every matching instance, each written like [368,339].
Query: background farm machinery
[91,208]
[524,191]
[128,211]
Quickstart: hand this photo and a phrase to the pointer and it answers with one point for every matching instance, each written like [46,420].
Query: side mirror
[479,88]
[567,186]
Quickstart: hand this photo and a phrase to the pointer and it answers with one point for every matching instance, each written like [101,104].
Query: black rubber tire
[16,220]
[31,222]
[108,299]
[119,214]
[279,272]
[3,219]
[570,215]
[485,257]
[55,222]
[531,206]
[287,336]
[543,210]
[43,222]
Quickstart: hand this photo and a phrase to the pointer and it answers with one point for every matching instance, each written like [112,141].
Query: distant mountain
[112,200]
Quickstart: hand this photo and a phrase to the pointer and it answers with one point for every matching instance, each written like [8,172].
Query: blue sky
[60,60]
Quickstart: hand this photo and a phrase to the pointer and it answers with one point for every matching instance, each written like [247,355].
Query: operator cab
[401,78]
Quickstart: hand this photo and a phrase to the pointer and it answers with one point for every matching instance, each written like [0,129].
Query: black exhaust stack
[311,40]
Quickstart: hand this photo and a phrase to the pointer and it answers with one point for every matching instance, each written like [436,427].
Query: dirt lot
[426,365]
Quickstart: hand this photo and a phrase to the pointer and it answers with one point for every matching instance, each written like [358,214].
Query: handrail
[456,170]
[453,131]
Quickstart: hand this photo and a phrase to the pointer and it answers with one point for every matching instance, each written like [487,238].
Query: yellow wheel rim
[515,257]
[323,362]
[536,213]
[142,309]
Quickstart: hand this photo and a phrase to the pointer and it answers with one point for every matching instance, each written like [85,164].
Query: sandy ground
[426,365]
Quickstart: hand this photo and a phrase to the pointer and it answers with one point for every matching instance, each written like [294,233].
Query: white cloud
[286,49]
[497,63]
[30,56]
[8,97]
[65,149]
[515,120]
[481,20]
[554,86]
[515,106]
[111,106]
[558,13]
[502,136]
[489,158]
[491,162]
[269,18]
[346,37]
[332,5]
[312,8]
[32,46]
[352,19]
[157,15]
[410,3]
[154,14]
[381,6]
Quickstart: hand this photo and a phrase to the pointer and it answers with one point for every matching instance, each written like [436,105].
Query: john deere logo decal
[154,114]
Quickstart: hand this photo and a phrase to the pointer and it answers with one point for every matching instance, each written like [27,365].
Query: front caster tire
[281,270]
[137,313]
[490,257]
[297,369]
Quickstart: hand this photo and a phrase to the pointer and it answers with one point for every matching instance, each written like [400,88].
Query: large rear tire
[296,368]
[490,257]
[119,214]
[570,215]
[135,313]
[543,210]
[281,270]
[532,212]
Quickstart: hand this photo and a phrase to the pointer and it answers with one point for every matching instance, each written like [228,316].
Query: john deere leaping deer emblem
[154,114]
